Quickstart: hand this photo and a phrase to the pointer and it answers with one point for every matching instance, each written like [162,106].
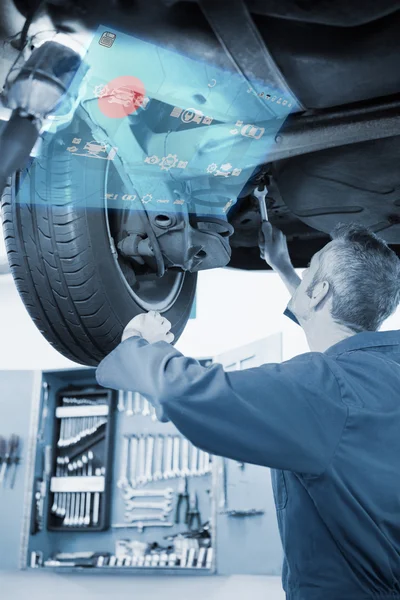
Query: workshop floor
[42,586]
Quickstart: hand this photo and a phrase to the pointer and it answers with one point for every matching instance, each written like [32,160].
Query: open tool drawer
[117,491]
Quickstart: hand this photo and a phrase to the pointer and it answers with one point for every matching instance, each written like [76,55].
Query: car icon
[252,131]
[124,96]
[94,147]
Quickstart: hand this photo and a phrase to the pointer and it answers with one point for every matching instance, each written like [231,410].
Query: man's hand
[151,326]
[273,246]
[274,250]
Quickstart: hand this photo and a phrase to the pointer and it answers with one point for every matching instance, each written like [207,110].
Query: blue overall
[328,424]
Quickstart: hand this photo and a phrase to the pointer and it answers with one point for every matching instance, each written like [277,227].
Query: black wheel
[59,237]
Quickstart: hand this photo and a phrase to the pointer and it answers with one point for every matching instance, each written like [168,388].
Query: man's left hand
[151,326]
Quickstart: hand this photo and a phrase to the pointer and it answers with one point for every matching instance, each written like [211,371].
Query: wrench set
[149,458]
[158,488]
[154,458]
[78,509]
[80,482]
[132,403]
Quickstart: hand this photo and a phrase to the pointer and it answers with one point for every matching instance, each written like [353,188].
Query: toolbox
[110,489]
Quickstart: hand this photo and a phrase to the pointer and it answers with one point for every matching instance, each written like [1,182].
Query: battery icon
[107,39]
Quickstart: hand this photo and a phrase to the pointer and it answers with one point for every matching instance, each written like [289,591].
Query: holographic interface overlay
[176,131]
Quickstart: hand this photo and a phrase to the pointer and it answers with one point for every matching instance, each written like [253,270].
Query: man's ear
[319,292]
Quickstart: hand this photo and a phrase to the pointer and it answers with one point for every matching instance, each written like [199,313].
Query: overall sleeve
[285,416]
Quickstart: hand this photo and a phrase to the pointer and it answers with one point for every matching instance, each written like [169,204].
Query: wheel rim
[149,292]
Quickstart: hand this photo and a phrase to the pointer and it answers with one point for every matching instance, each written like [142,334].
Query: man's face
[300,301]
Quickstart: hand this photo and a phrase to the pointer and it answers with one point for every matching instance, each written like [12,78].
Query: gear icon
[147,198]
[211,168]
[101,90]
[168,162]
[152,160]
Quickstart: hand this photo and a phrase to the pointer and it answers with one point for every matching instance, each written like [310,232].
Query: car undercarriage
[333,158]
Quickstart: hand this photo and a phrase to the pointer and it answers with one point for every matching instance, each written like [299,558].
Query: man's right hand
[274,250]
[273,246]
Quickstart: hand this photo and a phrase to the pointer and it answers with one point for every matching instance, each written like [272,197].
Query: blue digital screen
[168,131]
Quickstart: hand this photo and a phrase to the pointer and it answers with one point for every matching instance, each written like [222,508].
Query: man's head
[353,282]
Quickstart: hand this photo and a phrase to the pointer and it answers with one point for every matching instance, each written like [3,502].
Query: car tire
[64,261]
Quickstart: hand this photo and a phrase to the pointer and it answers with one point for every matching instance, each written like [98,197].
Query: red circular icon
[120,97]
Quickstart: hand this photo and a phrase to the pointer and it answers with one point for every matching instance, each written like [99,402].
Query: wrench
[159,493]
[144,517]
[185,471]
[90,457]
[176,456]
[142,461]
[261,195]
[141,525]
[146,408]
[194,460]
[137,404]
[200,470]
[168,458]
[129,404]
[123,479]
[165,506]
[158,474]
[149,459]
[133,460]
[96,501]
[121,401]
[208,463]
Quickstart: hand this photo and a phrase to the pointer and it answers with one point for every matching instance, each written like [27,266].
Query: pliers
[193,513]
[183,500]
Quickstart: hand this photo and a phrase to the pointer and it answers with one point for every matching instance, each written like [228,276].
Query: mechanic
[327,422]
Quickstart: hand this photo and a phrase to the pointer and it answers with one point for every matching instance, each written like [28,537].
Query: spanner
[123,477]
[176,462]
[137,404]
[164,506]
[121,401]
[158,493]
[141,478]
[130,518]
[129,404]
[168,458]
[158,459]
[146,408]
[133,460]
[185,471]
[194,461]
[149,459]
[261,195]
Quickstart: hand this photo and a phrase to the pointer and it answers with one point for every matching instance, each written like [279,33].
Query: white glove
[151,326]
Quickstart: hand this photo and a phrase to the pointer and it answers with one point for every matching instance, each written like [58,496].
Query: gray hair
[364,278]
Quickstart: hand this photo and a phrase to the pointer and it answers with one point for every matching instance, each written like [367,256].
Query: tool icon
[212,167]
[152,160]
[191,115]
[107,39]
[168,162]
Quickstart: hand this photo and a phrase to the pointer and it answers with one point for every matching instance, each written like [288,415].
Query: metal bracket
[303,134]
[237,33]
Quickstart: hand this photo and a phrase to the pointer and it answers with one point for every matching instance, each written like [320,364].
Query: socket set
[81,470]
